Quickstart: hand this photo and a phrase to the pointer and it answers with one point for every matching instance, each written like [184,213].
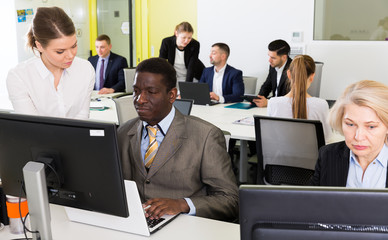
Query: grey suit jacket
[191,162]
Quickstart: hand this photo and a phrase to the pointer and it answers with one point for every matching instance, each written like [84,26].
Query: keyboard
[153,222]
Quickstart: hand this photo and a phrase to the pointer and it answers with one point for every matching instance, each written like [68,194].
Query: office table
[183,227]
[218,115]
[223,118]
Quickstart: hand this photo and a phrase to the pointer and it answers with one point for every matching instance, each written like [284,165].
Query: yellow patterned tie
[152,147]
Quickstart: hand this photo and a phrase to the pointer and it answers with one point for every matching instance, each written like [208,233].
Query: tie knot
[152,130]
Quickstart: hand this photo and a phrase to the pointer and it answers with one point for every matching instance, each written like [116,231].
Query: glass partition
[351,20]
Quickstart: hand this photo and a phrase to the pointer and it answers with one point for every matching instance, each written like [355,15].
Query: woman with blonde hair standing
[181,50]
[298,103]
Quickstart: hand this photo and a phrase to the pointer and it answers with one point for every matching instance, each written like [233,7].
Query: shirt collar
[221,70]
[281,68]
[382,158]
[105,58]
[165,124]
[44,72]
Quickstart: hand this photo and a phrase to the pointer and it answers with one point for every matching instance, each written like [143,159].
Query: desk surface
[223,118]
[183,227]
[218,115]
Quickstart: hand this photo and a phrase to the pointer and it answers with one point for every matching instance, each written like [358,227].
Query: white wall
[9,48]
[13,34]
[77,11]
[247,26]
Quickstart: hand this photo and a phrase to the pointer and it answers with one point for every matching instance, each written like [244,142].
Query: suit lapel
[211,79]
[170,144]
[134,135]
[110,63]
[225,79]
[343,174]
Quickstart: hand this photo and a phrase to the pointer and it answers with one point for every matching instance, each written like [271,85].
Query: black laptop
[199,92]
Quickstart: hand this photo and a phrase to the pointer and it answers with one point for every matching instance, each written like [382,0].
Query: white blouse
[317,109]
[31,89]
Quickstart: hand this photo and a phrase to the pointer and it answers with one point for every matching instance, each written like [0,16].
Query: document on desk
[246,121]
[96,105]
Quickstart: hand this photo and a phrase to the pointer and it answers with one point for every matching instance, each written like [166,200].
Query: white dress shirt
[217,83]
[179,65]
[279,72]
[31,89]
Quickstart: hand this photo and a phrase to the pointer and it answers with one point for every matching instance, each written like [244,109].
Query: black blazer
[114,74]
[193,65]
[333,166]
[270,83]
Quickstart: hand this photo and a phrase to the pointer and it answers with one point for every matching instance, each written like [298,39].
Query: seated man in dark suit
[225,82]
[109,67]
[179,163]
[277,81]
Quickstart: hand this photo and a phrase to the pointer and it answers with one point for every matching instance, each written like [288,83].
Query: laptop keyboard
[153,222]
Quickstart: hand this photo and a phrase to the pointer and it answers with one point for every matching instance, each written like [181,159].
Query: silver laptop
[135,223]
[199,92]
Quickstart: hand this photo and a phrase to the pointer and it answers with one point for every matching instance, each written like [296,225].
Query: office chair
[183,105]
[129,77]
[287,149]
[227,136]
[249,85]
[124,107]
[315,87]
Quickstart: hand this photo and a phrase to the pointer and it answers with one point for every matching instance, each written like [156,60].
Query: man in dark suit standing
[225,82]
[277,81]
[109,67]
[179,163]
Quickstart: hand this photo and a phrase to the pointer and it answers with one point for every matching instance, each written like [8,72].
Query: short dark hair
[103,37]
[224,47]
[49,23]
[159,66]
[279,46]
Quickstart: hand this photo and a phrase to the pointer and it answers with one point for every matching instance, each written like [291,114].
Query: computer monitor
[83,153]
[297,212]
[183,105]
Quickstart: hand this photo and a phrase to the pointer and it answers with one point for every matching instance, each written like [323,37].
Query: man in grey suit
[191,171]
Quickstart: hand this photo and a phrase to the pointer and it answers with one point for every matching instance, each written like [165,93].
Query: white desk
[107,115]
[223,118]
[218,115]
[183,227]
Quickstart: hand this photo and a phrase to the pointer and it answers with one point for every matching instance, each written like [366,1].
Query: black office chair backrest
[183,105]
[287,149]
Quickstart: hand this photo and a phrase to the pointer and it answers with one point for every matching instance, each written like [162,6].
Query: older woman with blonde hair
[361,115]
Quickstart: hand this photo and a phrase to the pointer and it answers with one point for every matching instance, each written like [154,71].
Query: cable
[20,213]
[58,178]
[25,229]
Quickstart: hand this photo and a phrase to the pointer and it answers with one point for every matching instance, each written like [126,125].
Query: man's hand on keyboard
[157,207]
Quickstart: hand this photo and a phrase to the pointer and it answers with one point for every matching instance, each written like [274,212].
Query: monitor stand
[37,199]
[130,224]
